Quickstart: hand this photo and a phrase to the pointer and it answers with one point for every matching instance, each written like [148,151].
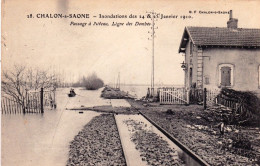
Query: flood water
[140,91]
[43,139]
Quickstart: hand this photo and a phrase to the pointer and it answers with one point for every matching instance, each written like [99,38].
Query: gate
[49,98]
[173,96]
[196,96]
[211,96]
[33,102]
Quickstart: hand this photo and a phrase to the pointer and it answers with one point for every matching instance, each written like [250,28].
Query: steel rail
[183,147]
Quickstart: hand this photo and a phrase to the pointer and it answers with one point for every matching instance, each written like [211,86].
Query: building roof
[214,36]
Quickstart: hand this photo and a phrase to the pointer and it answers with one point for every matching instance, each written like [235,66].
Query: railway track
[187,155]
[198,160]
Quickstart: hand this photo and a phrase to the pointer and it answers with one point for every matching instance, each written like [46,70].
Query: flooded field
[43,139]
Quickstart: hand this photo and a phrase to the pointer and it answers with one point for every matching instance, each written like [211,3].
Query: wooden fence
[208,97]
[225,101]
[238,106]
[173,96]
[211,96]
[236,110]
[214,97]
[34,102]
[196,96]
[183,96]
[10,106]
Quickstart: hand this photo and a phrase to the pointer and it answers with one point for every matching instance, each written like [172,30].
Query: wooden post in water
[205,98]
[54,98]
[41,98]
[25,102]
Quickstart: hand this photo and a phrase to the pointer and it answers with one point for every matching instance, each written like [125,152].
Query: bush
[170,112]
[242,142]
[251,106]
[92,82]
[250,100]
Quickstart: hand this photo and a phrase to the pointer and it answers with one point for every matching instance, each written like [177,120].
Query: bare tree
[14,85]
[20,81]
[41,79]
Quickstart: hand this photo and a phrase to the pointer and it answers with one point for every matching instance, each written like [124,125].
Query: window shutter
[225,76]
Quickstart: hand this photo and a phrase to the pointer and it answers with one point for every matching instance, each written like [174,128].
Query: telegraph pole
[152,87]
[118,81]
[152,38]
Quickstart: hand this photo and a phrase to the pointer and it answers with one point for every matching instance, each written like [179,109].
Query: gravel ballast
[98,143]
[153,148]
[195,128]
[199,139]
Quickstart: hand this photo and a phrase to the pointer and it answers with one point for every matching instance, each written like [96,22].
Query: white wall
[246,67]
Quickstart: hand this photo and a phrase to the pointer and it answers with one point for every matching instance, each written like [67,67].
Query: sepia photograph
[130,83]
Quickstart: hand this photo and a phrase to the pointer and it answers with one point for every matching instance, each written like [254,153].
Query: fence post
[25,102]
[205,98]
[54,99]
[160,95]
[188,96]
[148,93]
[42,111]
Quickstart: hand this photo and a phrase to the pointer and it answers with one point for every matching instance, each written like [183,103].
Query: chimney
[232,22]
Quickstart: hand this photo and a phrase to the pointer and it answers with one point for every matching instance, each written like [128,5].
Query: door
[225,76]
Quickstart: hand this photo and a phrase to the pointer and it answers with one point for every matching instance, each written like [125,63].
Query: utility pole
[118,81]
[115,82]
[152,32]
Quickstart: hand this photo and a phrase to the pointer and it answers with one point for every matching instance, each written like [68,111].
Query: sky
[74,51]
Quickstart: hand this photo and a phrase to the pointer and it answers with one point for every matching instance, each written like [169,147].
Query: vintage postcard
[141,82]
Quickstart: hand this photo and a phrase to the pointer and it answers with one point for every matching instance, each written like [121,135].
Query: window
[226,75]
[206,80]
